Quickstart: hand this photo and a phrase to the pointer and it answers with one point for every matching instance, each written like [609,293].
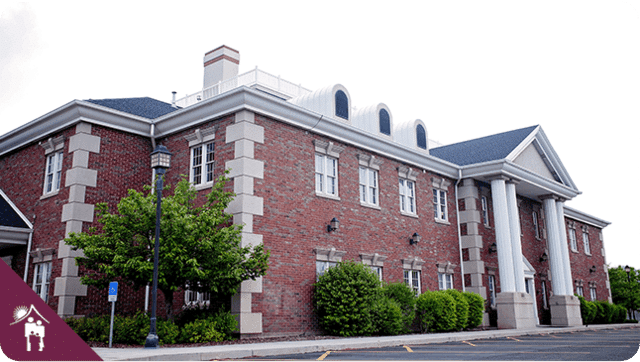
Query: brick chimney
[220,64]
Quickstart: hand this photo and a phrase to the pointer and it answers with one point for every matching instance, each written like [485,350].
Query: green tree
[199,245]
[625,288]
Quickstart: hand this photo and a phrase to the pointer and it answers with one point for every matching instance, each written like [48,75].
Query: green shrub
[462,308]
[476,309]
[406,299]
[91,329]
[201,331]
[168,332]
[387,316]
[130,330]
[436,312]
[343,298]
[588,311]
[619,314]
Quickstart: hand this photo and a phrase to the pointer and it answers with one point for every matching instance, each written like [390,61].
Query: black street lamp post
[160,162]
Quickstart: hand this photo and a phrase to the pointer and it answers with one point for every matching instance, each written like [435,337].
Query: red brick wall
[295,223]
[581,262]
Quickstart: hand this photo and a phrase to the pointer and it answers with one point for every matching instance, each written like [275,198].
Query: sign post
[113,297]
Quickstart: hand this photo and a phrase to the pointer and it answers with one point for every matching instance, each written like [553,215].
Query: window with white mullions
[368,186]
[445,281]
[53,172]
[41,277]
[412,279]
[585,241]
[326,175]
[202,163]
[407,196]
[440,204]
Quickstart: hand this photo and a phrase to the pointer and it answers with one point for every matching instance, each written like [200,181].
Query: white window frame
[586,243]
[202,157]
[579,290]
[545,302]
[573,242]
[440,205]
[368,186]
[593,294]
[445,281]
[412,279]
[378,270]
[485,210]
[53,173]
[196,298]
[407,196]
[536,226]
[492,290]
[326,175]
[42,280]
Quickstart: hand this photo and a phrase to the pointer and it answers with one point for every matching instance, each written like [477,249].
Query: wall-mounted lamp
[544,257]
[493,248]
[592,269]
[415,238]
[333,225]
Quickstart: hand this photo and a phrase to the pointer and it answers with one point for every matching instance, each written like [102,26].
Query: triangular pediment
[536,154]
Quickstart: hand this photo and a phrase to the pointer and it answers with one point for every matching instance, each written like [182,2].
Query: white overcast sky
[466,68]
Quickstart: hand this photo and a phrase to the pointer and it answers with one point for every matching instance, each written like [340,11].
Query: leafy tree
[625,288]
[199,245]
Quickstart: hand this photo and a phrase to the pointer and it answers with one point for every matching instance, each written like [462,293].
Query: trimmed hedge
[436,312]
[601,312]
[406,299]
[462,308]
[134,329]
[476,309]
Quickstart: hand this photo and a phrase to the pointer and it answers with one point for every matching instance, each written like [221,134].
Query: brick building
[486,215]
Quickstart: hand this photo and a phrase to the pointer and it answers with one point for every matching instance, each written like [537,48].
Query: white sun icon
[20,312]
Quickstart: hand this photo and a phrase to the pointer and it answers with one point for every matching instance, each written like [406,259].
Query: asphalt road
[591,345]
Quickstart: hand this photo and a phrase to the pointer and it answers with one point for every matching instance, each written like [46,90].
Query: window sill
[574,251]
[50,194]
[415,216]
[327,196]
[587,254]
[371,206]
[443,222]
[203,186]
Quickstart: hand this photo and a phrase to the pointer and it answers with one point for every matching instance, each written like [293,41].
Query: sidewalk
[281,348]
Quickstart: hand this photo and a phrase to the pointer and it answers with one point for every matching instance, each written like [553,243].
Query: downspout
[26,263]
[459,231]
[152,135]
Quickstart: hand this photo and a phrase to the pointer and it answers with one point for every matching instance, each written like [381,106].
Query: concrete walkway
[281,348]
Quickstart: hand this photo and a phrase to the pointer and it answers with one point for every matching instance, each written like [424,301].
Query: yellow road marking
[323,356]
[469,343]
[515,339]
[408,349]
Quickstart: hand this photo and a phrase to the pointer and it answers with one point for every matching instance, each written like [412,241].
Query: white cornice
[584,217]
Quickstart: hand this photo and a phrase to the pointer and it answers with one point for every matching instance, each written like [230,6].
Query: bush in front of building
[601,312]
[588,311]
[344,297]
[387,316]
[436,312]
[133,330]
[462,308]
[476,309]
[406,299]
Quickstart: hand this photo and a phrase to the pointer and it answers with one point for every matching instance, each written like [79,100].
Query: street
[591,345]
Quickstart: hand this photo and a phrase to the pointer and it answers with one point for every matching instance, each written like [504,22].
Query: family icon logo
[31,328]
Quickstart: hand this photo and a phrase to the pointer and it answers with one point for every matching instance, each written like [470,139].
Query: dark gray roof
[490,148]
[9,216]
[144,107]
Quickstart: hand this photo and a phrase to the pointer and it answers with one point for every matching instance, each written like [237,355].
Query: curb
[281,348]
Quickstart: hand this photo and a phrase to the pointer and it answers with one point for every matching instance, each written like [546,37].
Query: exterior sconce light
[544,257]
[627,269]
[333,225]
[592,269]
[493,248]
[415,238]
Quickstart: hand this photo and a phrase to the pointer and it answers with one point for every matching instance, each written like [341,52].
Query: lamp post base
[152,341]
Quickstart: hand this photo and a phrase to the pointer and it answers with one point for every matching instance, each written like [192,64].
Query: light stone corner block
[84,142]
[245,167]
[249,323]
[245,130]
[77,211]
[245,116]
[251,286]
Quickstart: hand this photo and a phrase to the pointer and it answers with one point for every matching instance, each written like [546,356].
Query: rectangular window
[492,290]
[545,303]
[202,162]
[412,279]
[53,172]
[407,196]
[323,266]
[326,175]
[368,186]
[41,276]
[445,281]
[585,240]
[440,204]
[579,291]
[572,239]
[536,228]
[196,298]
[485,211]
[377,270]
[592,291]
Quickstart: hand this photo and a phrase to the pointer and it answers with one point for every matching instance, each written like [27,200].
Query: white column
[568,280]
[556,264]
[514,228]
[503,235]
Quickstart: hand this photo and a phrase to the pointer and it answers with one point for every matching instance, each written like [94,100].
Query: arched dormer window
[385,122]
[342,105]
[421,137]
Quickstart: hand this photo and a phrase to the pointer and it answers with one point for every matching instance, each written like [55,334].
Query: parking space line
[469,343]
[323,356]
[408,349]
[515,339]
